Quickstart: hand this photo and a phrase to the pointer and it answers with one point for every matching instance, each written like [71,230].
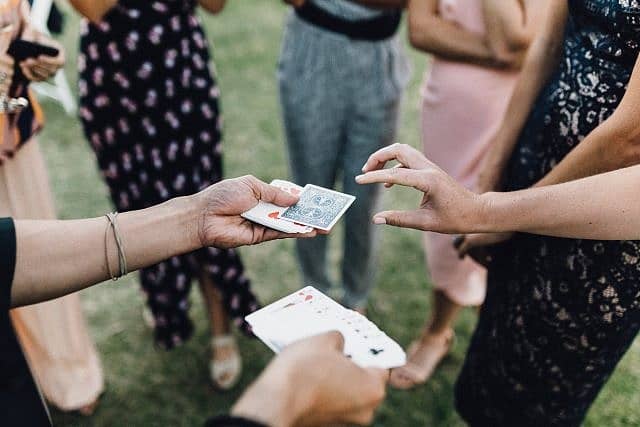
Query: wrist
[488,213]
[188,218]
[272,401]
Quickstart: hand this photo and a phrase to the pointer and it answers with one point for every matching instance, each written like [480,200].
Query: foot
[225,366]
[423,358]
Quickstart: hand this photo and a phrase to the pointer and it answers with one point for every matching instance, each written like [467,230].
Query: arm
[540,62]
[55,258]
[93,10]
[604,207]
[212,6]
[613,145]
[510,26]
[430,33]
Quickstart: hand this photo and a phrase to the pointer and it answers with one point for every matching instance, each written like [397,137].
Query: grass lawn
[146,387]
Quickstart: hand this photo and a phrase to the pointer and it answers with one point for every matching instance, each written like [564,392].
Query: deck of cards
[318,208]
[309,312]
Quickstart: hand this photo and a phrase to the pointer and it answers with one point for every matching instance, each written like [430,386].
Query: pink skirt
[462,107]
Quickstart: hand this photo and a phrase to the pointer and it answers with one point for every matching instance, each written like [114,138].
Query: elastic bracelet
[122,259]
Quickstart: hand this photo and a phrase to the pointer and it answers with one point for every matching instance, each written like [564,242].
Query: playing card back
[318,207]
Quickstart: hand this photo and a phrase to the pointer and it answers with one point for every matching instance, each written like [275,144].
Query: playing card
[268,214]
[318,207]
[309,312]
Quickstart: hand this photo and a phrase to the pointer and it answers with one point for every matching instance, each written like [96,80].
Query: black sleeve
[228,421]
[7,261]
[20,400]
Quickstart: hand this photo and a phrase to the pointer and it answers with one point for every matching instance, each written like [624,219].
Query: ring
[3,77]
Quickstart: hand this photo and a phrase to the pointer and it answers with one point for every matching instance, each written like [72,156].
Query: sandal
[424,356]
[225,373]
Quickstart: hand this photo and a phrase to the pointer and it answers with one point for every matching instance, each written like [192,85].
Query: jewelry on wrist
[122,259]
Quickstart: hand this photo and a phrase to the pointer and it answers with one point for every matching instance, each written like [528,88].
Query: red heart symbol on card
[308,297]
[274,215]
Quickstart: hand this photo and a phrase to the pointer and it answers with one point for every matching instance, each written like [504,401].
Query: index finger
[404,154]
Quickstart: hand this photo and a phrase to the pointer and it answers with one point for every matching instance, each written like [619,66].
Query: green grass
[145,387]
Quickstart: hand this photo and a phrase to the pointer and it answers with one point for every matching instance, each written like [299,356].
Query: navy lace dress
[149,108]
[559,313]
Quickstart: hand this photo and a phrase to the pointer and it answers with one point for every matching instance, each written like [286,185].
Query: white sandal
[226,373]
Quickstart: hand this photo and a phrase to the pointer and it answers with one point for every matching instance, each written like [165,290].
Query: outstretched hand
[446,206]
[221,204]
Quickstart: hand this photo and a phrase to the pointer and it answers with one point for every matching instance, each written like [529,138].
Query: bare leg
[225,365]
[218,319]
[445,312]
[434,343]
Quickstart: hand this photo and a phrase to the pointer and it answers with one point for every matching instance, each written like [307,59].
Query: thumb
[417,219]
[270,194]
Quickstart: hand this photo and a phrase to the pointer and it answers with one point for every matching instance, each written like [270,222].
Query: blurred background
[148,387]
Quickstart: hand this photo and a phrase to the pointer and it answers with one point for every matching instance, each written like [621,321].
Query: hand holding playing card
[446,206]
[311,383]
[222,204]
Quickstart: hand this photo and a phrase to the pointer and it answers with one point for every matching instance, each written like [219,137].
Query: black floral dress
[559,313]
[149,107]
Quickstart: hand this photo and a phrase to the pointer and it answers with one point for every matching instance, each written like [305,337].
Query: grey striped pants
[340,100]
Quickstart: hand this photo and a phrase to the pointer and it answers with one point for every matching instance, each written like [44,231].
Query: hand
[312,383]
[476,245]
[221,204]
[43,67]
[446,206]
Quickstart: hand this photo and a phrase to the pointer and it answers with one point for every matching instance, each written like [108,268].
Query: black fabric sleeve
[7,261]
[229,421]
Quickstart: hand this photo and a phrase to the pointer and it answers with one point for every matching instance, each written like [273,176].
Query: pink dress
[462,107]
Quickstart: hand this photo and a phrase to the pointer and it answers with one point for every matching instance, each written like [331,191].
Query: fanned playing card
[318,207]
[268,214]
[309,312]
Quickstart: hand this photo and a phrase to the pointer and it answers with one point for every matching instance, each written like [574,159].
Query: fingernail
[378,220]
[358,178]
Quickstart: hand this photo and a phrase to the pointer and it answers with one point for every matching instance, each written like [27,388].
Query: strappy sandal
[415,374]
[225,373]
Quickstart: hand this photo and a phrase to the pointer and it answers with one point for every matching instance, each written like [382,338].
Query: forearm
[541,61]
[605,149]
[55,258]
[430,33]
[603,207]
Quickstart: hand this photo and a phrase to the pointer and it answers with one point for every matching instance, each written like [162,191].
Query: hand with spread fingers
[446,206]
